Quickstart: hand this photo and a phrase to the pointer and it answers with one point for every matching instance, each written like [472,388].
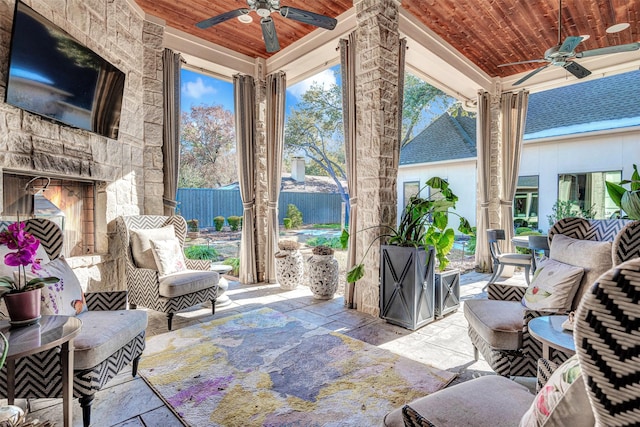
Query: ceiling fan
[564,54]
[264,8]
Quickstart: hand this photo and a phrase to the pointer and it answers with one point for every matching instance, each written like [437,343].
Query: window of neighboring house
[588,192]
[70,204]
[409,189]
[525,203]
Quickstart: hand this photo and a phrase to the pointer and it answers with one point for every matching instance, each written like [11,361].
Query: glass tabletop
[48,332]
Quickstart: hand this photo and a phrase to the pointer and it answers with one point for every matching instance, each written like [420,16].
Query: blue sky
[197,89]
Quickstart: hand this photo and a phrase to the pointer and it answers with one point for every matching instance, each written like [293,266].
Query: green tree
[314,127]
[207,150]
[420,97]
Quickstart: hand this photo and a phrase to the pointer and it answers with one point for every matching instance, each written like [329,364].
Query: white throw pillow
[563,400]
[169,256]
[6,270]
[553,286]
[141,244]
[592,255]
[64,298]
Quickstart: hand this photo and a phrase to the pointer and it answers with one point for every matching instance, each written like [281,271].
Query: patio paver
[443,344]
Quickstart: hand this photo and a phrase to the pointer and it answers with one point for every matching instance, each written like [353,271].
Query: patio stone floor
[444,344]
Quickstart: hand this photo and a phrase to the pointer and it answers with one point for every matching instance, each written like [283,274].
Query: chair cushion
[562,401]
[498,322]
[141,245]
[65,298]
[168,255]
[594,256]
[491,400]
[186,282]
[516,259]
[103,333]
[553,286]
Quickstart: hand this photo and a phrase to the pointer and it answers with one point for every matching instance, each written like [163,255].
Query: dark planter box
[406,286]
[447,292]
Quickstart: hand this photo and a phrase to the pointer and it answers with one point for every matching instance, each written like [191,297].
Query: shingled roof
[446,138]
[600,104]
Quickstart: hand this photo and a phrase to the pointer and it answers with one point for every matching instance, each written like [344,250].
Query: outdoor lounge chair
[601,388]
[495,237]
[111,337]
[498,325]
[147,286]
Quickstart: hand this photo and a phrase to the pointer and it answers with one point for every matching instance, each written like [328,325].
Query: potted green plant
[627,200]
[22,297]
[407,265]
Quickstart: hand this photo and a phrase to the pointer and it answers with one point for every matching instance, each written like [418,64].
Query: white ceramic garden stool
[223,284]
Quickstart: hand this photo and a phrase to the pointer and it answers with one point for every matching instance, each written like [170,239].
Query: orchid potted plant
[15,289]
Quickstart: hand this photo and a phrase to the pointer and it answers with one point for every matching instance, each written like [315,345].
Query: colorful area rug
[264,368]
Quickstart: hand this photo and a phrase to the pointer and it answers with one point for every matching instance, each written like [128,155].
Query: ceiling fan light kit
[616,28]
[264,9]
[564,54]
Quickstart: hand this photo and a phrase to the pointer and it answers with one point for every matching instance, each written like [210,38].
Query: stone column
[496,160]
[377,142]
[261,191]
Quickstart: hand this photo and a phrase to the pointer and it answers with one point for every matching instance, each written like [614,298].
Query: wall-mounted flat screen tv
[53,75]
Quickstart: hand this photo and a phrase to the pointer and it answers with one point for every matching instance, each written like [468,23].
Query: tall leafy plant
[424,222]
[627,200]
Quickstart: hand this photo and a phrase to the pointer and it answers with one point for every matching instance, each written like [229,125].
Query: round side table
[48,332]
[548,330]
[223,284]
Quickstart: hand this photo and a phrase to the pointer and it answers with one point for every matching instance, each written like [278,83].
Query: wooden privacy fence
[204,204]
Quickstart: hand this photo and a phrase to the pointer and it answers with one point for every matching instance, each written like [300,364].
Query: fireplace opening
[70,204]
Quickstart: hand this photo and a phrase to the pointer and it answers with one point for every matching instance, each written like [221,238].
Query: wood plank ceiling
[487,32]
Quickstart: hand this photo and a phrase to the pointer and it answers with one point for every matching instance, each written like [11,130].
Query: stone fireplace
[97,177]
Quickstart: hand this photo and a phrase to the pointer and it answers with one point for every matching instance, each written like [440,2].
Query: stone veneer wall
[127,171]
[377,82]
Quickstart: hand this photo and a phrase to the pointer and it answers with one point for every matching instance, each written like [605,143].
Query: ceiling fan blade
[576,69]
[531,74]
[269,34]
[530,61]
[610,49]
[221,18]
[569,44]
[307,17]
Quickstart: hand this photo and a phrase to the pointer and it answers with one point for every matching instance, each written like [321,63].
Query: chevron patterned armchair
[110,339]
[166,293]
[498,326]
[599,386]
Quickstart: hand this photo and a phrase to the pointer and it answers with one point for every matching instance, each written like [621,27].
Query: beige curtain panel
[276,94]
[483,138]
[171,128]
[244,95]
[514,115]
[348,69]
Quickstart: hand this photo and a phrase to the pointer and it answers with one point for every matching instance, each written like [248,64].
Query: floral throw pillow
[64,298]
[563,400]
[168,255]
[553,286]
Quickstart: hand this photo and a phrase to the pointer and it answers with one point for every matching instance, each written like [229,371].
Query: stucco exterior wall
[581,153]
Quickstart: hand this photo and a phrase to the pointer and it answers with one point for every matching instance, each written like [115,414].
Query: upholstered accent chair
[495,237]
[166,293]
[498,325]
[601,387]
[110,339]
